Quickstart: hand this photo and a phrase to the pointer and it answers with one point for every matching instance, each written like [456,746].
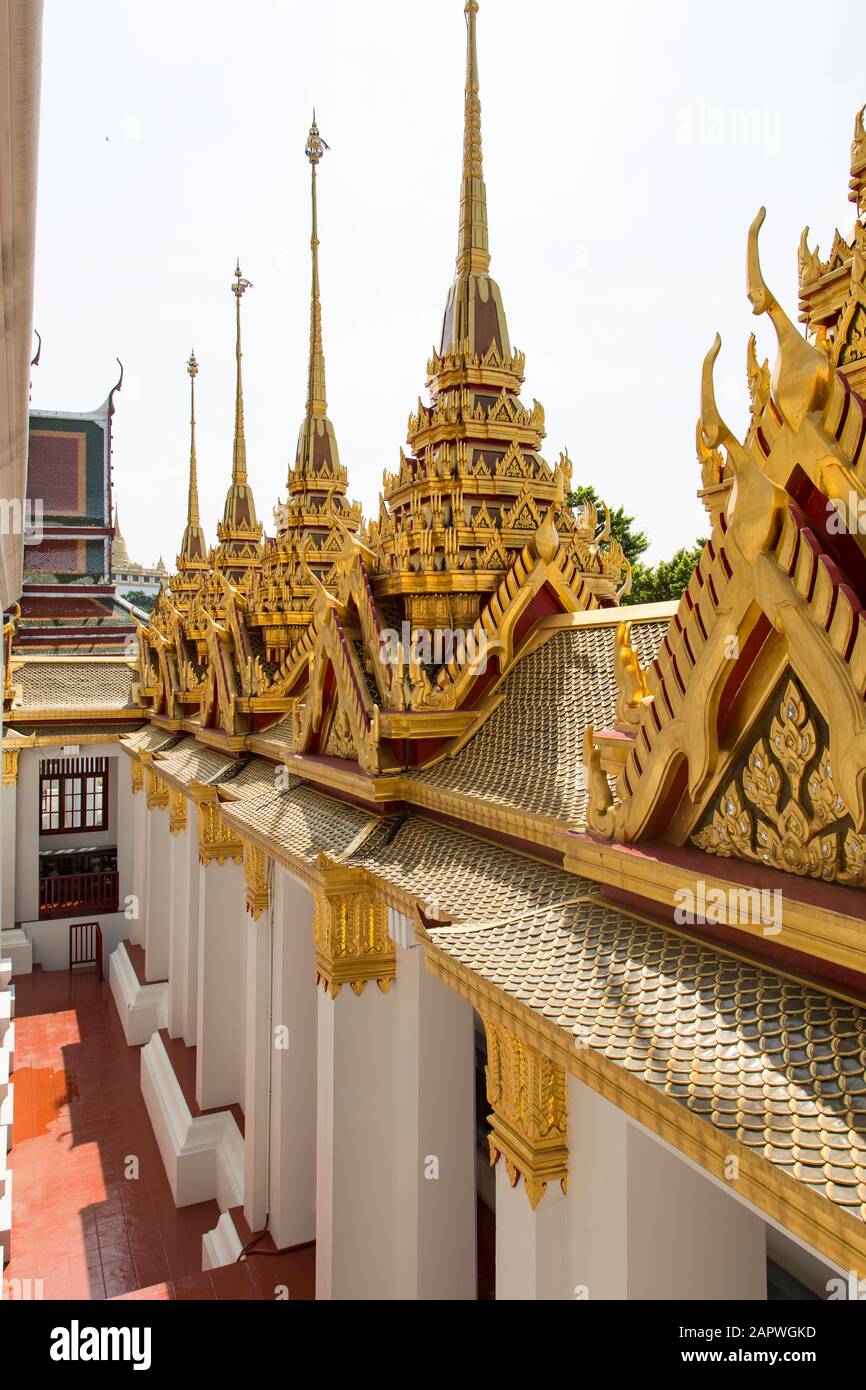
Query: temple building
[69,599]
[472,935]
[127,576]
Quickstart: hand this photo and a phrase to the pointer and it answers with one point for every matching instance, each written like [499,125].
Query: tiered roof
[723,736]
[474,488]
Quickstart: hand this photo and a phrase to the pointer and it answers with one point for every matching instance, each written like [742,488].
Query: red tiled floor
[81,1224]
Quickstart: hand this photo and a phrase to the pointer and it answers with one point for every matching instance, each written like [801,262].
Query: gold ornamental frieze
[529,1100]
[350,932]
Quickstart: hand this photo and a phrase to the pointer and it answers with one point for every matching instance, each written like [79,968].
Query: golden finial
[472,248]
[317,404]
[315,146]
[192,516]
[239,458]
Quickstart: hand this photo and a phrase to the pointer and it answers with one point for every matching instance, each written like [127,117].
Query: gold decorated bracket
[176,811]
[10,766]
[350,931]
[216,843]
[529,1123]
[256,866]
[136,776]
[156,790]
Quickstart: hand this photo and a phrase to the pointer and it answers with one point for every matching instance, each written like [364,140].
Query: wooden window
[73,795]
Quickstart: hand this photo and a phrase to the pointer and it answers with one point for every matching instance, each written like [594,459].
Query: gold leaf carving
[802,835]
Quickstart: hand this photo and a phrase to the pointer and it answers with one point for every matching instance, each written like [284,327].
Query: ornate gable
[765,661]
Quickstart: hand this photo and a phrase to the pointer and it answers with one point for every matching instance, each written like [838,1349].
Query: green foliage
[666,580]
[633,542]
[139,599]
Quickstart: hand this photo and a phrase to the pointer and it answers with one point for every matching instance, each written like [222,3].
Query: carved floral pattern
[801,834]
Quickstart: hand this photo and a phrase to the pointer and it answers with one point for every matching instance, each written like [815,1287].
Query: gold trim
[350,931]
[216,843]
[823,1225]
[256,865]
[10,766]
[529,1123]
[176,811]
[807,927]
[156,789]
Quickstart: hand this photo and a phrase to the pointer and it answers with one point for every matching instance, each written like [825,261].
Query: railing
[85,945]
[62,894]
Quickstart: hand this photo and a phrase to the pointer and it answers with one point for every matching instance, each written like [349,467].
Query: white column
[293,1066]
[434,1119]
[7,849]
[156,940]
[642,1223]
[530,1245]
[355,1216]
[688,1236]
[140,866]
[598,1208]
[27,838]
[183,866]
[121,786]
[221,987]
[257,1076]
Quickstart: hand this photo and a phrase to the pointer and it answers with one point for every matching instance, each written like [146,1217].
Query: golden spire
[474,315]
[193,545]
[472,247]
[239,458]
[238,533]
[192,516]
[119,552]
[317,405]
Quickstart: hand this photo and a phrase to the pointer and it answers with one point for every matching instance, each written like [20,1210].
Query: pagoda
[239,533]
[474,489]
[313,524]
[833,291]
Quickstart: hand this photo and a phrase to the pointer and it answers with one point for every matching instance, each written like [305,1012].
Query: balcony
[73,882]
[67,895]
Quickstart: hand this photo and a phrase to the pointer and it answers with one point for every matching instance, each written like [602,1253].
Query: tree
[139,599]
[666,580]
[633,542]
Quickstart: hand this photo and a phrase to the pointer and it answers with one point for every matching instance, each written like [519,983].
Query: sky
[627,148]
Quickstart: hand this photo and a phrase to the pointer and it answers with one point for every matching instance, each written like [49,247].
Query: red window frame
[71,789]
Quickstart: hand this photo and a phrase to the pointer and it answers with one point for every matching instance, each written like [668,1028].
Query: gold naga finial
[630,679]
[317,405]
[858,163]
[473,252]
[755,500]
[802,373]
[711,462]
[239,456]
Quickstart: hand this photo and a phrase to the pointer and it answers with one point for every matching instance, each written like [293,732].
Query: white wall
[29,842]
[51,938]
[293,1084]
[220,1039]
[8,797]
[642,1223]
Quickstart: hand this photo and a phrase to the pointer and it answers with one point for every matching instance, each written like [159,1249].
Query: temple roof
[528,754]
[46,684]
